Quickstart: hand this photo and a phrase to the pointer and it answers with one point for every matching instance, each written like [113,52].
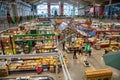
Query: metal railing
[64,67]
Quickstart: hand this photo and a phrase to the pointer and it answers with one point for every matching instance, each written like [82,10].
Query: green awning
[47,34]
[33,35]
[43,25]
[24,35]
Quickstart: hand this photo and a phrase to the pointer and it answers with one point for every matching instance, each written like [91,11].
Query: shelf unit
[7,45]
[30,61]
[24,64]
[28,57]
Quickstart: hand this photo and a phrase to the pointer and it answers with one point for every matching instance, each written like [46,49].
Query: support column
[35,10]
[101,11]
[14,9]
[110,2]
[61,8]
[48,9]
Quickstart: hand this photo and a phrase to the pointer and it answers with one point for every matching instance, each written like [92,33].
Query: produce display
[31,64]
[75,46]
[38,41]
[106,43]
[3,69]
[59,21]
[112,49]
[46,63]
[34,36]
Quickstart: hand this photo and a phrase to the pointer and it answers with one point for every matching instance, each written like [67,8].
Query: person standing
[74,51]
[74,55]
[88,49]
[63,45]
[59,38]
[80,49]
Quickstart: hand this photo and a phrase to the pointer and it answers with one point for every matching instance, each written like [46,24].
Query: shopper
[63,45]
[88,49]
[59,37]
[74,55]
[80,50]
[39,69]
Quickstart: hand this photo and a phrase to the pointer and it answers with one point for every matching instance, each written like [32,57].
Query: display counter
[71,48]
[25,64]
[112,49]
[74,46]
[30,78]
[106,44]
[102,74]
[59,21]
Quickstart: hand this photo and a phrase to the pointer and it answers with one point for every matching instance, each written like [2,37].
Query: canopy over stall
[112,59]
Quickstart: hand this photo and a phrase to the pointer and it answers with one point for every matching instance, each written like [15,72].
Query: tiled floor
[77,67]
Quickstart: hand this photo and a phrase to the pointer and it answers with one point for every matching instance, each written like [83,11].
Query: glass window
[2,10]
[68,9]
[113,9]
[54,9]
[76,10]
[42,10]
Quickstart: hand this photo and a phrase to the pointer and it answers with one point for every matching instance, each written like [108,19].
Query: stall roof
[112,59]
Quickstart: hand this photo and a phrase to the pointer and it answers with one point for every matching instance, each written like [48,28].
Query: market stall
[32,64]
[22,58]
[108,41]
[70,46]
[47,62]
